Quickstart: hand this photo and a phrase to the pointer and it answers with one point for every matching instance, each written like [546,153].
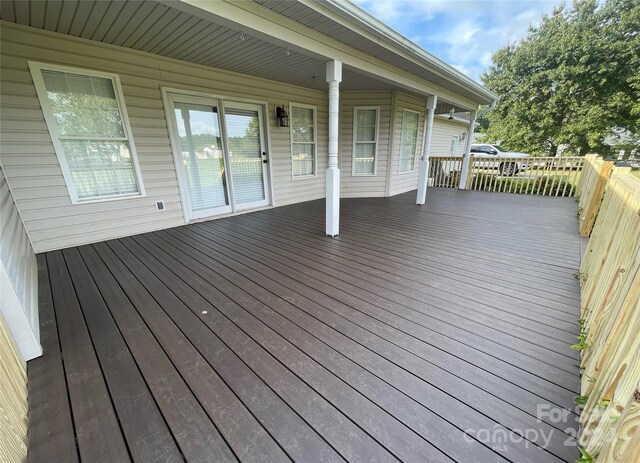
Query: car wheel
[507,169]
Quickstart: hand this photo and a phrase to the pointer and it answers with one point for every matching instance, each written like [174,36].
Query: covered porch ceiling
[177,30]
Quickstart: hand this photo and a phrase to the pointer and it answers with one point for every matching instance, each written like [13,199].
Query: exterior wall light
[282,116]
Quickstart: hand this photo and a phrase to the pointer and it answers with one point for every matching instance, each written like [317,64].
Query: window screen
[91,133]
[365,134]
[408,141]
[303,141]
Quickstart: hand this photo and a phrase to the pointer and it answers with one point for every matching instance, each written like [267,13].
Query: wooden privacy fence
[610,321]
[595,174]
[546,176]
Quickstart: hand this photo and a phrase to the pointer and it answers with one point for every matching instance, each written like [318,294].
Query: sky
[463,33]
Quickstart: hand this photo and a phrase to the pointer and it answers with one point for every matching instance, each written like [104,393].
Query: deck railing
[609,338]
[444,171]
[546,176]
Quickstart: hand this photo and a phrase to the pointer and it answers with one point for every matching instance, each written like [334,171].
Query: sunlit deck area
[420,334]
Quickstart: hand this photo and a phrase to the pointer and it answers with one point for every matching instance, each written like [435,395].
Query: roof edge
[357,15]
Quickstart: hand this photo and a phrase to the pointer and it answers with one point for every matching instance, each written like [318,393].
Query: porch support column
[334,77]
[467,151]
[432,101]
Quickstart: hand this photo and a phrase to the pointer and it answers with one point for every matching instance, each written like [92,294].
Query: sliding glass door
[220,154]
[245,143]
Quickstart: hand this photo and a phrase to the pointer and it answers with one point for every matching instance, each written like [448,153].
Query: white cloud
[461,32]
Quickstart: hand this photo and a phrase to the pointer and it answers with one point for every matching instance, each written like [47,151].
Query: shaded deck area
[420,334]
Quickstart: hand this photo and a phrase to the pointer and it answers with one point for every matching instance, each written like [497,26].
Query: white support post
[423,178]
[334,77]
[467,152]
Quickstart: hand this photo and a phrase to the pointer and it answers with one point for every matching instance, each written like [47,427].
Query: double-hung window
[365,140]
[87,120]
[303,140]
[408,141]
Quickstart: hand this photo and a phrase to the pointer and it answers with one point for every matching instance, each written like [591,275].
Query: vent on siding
[159,205]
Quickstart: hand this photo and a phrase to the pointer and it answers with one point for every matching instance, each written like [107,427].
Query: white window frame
[415,154]
[36,73]
[315,140]
[374,142]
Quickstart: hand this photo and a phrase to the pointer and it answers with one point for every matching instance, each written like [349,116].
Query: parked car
[495,155]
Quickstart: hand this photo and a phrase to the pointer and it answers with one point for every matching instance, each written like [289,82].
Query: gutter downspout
[491,107]
[479,114]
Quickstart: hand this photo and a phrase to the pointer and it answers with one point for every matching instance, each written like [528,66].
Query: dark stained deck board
[312,278]
[546,287]
[96,424]
[389,431]
[290,244]
[338,430]
[490,323]
[256,338]
[386,370]
[192,429]
[312,295]
[412,245]
[510,321]
[297,438]
[51,434]
[143,426]
[239,429]
[548,302]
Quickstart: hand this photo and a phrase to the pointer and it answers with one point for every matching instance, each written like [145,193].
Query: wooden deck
[420,334]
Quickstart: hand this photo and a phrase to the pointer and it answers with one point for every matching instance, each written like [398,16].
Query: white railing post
[334,77]
[466,165]
[426,150]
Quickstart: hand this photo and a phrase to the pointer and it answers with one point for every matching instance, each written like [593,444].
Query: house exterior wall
[18,276]
[443,132]
[364,186]
[406,181]
[32,168]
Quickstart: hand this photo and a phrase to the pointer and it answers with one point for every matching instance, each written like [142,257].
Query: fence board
[610,297]
[595,174]
[13,399]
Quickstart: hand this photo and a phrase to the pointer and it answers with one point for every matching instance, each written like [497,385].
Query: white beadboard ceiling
[159,28]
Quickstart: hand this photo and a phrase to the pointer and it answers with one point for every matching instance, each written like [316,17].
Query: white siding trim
[16,318]
[18,277]
[36,73]
[376,142]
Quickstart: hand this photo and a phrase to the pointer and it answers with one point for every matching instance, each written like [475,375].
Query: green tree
[574,80]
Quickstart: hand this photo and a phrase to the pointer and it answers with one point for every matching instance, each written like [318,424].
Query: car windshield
[499,149]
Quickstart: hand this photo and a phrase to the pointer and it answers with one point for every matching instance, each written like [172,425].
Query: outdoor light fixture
[282,116]
[451,113]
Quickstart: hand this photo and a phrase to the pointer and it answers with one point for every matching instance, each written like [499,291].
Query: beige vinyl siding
[32,168]
[443,132]
[364,186]
[406,181]
[13,399]
[18,276]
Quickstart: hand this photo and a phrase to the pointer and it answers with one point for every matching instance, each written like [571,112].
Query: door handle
[264,157]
